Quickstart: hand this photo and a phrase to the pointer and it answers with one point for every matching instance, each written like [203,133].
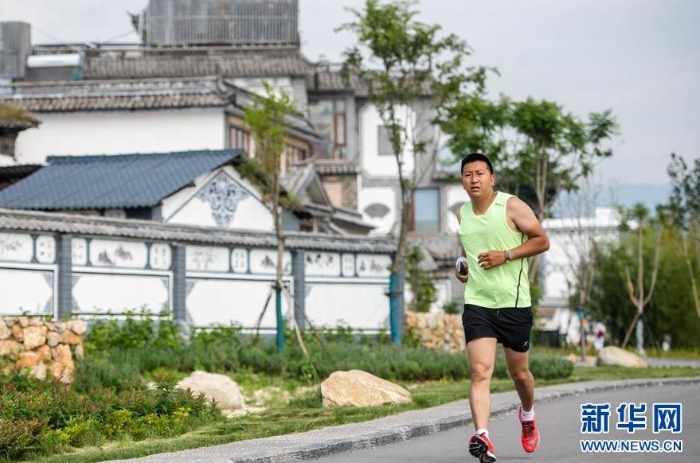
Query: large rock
[63,367]
[34,336]
[28,360]
[358,388]
[616,357]
[78,327]
[224,391]
[10,347]
[5,332]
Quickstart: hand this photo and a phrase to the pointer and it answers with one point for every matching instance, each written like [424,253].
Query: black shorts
[510,326]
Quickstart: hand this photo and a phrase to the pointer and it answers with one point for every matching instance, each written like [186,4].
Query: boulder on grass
[224,391]
[612,356]
[357,388]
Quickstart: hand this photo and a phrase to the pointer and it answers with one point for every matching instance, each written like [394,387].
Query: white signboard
[322,264]
[239,260]
[45,249]
[207,258]
[79,251]
[372,265]
[123,254]
[264,261]
[160,256]
[16,248]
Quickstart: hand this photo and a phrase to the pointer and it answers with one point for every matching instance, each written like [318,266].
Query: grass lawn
[304,412]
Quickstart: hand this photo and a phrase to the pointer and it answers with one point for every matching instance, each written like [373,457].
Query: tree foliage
[684,209]
[538,149]
[420,282]
[413,74]
[267,122]
[667,310]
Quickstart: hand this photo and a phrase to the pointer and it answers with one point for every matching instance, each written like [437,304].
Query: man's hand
[462,269]
[491,259]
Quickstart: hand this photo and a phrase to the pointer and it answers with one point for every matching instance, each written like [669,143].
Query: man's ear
[493,179]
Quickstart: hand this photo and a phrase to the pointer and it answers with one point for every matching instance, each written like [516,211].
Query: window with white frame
[426,210]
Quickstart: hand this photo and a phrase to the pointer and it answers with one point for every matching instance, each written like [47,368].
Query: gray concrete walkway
[391,429]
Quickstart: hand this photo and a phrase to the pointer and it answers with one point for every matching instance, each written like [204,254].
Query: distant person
[498,232]
[599,333]
[666,344]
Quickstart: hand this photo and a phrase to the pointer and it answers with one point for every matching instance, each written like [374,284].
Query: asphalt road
[439,434]
[560,423]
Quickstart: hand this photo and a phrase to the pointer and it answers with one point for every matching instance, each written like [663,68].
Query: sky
[638,58]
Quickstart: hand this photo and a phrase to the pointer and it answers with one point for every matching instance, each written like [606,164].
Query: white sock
[527,416]
[483,431]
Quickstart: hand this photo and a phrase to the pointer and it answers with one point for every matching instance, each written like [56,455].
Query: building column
[299,274]
[64,261]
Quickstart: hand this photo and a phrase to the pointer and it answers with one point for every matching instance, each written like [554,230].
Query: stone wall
[437,330]
[45,347]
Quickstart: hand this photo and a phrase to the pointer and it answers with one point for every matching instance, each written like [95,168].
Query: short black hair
[473,157]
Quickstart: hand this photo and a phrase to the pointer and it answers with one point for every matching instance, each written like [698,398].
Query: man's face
[477,180]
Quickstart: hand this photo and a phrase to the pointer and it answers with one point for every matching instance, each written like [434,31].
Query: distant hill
[649,195]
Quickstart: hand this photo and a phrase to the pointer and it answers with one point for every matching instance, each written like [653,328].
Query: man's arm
[525,221]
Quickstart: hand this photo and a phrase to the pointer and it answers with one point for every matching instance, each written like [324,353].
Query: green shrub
[83,431]
[19,438]
[550,367]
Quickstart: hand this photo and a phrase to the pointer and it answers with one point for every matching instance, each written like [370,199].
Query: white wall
[116,292]
[454,195]
[188,207]
[227,301]
[570,239]
[361,305]
[385,196]
[120,132]
[371,163]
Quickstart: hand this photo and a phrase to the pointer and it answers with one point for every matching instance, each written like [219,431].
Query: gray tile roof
[44,222]
[111,181]
[330,78]
[326,78]
[189,62]
[336,168]
[115,95]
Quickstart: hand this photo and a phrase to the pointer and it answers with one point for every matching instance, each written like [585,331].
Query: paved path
[560,425]
[388,430]
[668,362]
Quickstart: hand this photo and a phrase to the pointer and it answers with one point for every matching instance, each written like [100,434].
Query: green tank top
[506,285]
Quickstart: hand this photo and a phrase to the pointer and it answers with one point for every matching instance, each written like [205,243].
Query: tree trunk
[278,283]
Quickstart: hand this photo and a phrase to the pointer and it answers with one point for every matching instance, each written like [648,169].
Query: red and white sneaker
[480,447]
[530,438]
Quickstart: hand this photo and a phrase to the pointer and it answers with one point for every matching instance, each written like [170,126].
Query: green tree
[538,149]
[420,282]
[413,74]
[267,122]
[641,289]
[667,309]
[684,208]
[607,302]
[670,307]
